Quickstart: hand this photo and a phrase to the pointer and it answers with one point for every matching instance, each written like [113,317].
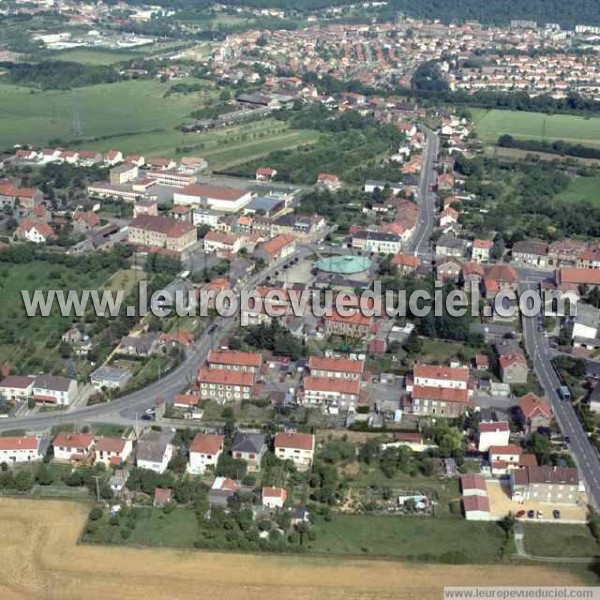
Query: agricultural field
[31,342]
[31,531]
[491,124]
[96,56]
[112,117]
[582,188]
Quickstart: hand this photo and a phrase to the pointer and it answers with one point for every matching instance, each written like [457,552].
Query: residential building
[49,389]
[513,368]
[473,484]
[205,451]
[406,263]
[493,434]
[234,360]
[210,196]
[265,173]
[346,368]
[122,174]
[276,248]
[356,326]
[21,449]
[450,246]
[154,451]
[273,497]
[217,242]
[15,387]
[38,233]
[480,250]
[112,451]
[440,376]
[224,385]
[438,401]
[535,412]
[142,345]
[161,232]
[189,165]
[331,392]
[249,447]
[73,447]
[545,484]
[374,241]
[530,252]
[205,216]
[329,182]
[110,378]
[504,457]
[297,447]
[477,508]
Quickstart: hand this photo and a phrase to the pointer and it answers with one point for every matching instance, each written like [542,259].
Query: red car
[520,514]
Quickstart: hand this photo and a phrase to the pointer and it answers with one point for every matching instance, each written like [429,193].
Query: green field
[96,56]
[582,188]
[135,117]
[563,540]
[491,124]
[414,538]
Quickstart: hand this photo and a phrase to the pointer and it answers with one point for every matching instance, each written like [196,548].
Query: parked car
[520,514]
[556,514]
[540,514]
[530,514]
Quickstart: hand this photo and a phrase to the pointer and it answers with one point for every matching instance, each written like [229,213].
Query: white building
[297,447]
[218,198]
[205,216]
[493,434]
[73,446]
[20,449]
[49,389]
[154,451]
[15,387]
[440,376]
[273,498]
[205,451]
[112,451]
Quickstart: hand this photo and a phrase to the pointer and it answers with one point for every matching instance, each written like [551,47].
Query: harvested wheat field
[40,559]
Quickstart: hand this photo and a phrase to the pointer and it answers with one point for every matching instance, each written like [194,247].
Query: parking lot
[501,505]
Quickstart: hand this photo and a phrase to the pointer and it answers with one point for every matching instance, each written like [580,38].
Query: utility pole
[96,477]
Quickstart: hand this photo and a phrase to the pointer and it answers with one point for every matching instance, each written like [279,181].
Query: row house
[440,376]
[545,484]
[438,401]
[235,360]
[346,368]
[303,227]
[224,385]
[356,325]
[331,392]
[21,449]
[530,252]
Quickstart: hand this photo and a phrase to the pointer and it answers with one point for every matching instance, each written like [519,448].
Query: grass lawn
[582,188]
[491,124]
[30,343]
[442,351]
[564,540]
[90,56]
[412,538]
[125,280]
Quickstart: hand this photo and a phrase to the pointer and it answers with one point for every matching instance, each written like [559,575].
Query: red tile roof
[79,441]
[440,394]
[18,443]
[441,372]
[472,481]
[505,450]
[207,443]
[225,377]
[476,503]
[493,427]
[235,358]
[212,191]
[576,276]
[276,244]
[110,444]
[170,227]
[342,365]
[533,406]
[17,382]
[302,441]
[336,385]
[274,492]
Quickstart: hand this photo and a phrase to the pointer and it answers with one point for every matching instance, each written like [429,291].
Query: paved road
[583,451]
[419,243]
[126,409]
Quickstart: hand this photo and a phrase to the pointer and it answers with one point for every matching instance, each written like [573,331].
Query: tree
[413,344]
[43,475]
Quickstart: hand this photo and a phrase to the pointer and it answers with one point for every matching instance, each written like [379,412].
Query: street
[584,453]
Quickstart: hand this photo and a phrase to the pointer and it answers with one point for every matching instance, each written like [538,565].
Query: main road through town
[583,451]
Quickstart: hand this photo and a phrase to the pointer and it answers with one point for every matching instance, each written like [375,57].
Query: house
[265,174]
[15,387]
[328,181]
[276,248]
[205,451]
[472,273]
[477,508]
[38,233]
[356,325]
[112,451]
[249,447]
[346,368]
[154,451]
[234,360]
[160,164]
[273,497]
[448,269]
[224,385]
[145,207]
[303,227]
[189,165]
[513,368]
[185,401]
[545,484]
[535,412]
[406,263]
[210,196]
[504,458]
[586,325]
[113,157]
[480,250]
[493,434]
[161,232]
[217,242]
[123,174]
[437,401]
[499,278]
[85,221]
[135,159]
[473,484]
[450,246]
[142,345]
[110,378]
[50,389]
[162,497]
[331,392]
[411,439]
[21,449]
[448,217]
[26,198]
[73,447]
[221,490]
[440,376]
[205,216]
[530,252]
[297,447]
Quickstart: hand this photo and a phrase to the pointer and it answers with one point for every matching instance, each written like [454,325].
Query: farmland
[112,117]
[491,124]
[96,56]
[31,531]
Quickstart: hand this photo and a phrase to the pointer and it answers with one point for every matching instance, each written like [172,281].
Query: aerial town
[338,149]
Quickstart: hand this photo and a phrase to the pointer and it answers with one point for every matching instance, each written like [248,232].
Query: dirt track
[39,559]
